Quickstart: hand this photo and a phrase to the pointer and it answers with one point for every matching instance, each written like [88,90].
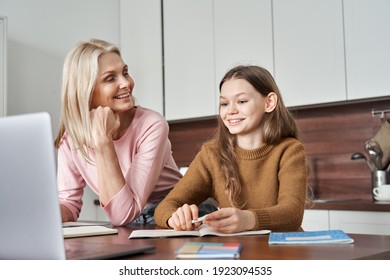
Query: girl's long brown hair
[276,125]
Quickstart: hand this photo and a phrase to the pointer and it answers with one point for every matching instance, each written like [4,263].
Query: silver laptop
[30,217]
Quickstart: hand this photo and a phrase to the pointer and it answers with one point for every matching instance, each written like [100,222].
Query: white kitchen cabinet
[3,65]
[315,220]
[202,41]
[361,222]
[318,51]
[189,69]
[171,58]
[364,222]
[329,51]
[309,51]
[367,45]
[90,211]
[141,47]
[243,34]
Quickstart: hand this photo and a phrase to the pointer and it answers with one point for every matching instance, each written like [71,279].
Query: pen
[199,219]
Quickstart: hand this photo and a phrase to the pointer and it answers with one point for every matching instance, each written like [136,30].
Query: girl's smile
[242,109]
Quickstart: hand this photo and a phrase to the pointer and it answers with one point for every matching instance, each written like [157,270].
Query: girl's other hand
[231,220]
[182,218]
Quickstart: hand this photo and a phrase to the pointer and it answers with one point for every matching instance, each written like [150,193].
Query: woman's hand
[104,124]
[231,220]
[182,218]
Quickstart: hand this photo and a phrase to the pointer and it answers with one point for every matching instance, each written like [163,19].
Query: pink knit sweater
[145,157]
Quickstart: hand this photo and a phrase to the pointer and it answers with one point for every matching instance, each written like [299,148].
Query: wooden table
[254,247]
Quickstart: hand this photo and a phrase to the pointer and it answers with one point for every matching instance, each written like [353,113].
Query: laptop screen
[30,215]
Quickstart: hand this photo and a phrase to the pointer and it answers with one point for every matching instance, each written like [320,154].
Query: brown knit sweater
[273,178]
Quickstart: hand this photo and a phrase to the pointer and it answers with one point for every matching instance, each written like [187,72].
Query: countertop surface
[349,205]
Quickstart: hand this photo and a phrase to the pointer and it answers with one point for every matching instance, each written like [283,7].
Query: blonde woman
[121,151]
[255,168]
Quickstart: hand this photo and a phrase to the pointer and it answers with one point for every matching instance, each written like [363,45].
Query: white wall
[3,63]
[40,33]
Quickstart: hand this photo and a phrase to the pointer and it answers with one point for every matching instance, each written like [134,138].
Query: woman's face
[114,86]
[242,109]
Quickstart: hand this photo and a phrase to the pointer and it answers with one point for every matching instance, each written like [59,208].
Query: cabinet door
[141,47]
[243,34]
[309,51]
[90,211]
[360,222]
[367,44]
[189,59]
[315,220]
[3,68]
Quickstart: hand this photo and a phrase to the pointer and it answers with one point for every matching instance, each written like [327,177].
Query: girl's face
[114,86]
[241,109]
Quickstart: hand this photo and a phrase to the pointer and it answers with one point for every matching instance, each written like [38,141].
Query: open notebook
[30,215]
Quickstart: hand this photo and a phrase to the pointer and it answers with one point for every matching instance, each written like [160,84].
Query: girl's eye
[222,104]
[242,101]
[125,73]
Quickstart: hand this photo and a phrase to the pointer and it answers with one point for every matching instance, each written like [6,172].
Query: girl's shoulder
[208,149]
[210,145]
[290,143]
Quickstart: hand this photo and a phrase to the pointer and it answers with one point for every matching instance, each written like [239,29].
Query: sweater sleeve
[287,213]
[69,181]
[193,188]
[153,151]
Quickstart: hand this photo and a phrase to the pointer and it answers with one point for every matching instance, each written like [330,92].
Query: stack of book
[208,250]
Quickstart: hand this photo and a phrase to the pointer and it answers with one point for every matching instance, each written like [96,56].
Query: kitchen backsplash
[331,134]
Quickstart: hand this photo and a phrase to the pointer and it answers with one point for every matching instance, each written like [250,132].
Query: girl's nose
[232,109]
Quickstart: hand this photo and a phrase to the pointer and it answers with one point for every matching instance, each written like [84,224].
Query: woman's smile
[123,95]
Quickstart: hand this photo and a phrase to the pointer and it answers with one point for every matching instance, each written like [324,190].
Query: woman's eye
[222,104]
[110,78]
[242,101]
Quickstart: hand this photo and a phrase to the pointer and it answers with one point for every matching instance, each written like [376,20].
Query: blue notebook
[310,237]
[208,250]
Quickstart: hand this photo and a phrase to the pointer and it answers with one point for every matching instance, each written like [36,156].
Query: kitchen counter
[349,205]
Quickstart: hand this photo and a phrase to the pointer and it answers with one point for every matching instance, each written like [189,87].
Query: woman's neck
[125,119]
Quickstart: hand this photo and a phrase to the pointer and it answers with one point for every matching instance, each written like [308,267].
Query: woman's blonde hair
[78,81]
[275,125]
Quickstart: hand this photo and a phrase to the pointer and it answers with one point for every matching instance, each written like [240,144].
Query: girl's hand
[104,124]
[231,220]
[182,218]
